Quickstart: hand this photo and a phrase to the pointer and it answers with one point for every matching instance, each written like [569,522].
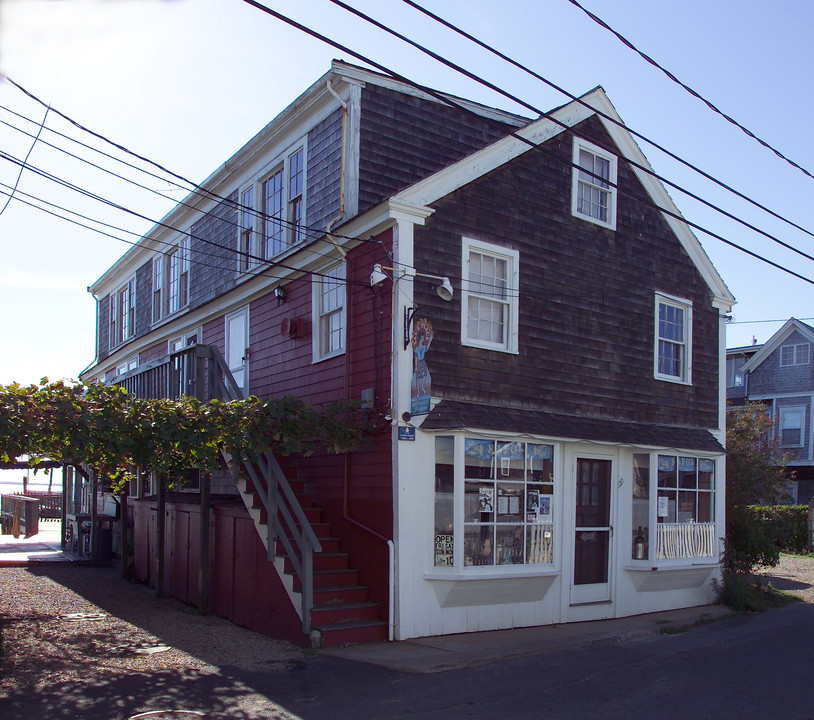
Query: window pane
[510,545]
[479,545]
[273,209]
[444,500]
[641,507]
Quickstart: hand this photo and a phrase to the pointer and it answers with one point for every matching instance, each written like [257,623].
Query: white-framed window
[490,296]
[792,421]
[685,507]
[158,288]
[673,335]
[791,355]
[508,494]
[246,233]
[178,276]
[281,192]
[734,376]
[127,366]
[593,192]
[123,313]
[329,302]
[274,234]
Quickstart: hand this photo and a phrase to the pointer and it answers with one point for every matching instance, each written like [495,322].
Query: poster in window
[486,499]
[544,510]
[663,506]
[443,550]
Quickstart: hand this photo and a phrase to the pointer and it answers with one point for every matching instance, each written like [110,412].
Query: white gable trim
[776,340]
[478,164]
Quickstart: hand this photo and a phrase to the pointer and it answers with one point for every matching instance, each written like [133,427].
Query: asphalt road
[757,666]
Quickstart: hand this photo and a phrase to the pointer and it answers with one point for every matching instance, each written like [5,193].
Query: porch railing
[200,371]
[686,540]
[197,371]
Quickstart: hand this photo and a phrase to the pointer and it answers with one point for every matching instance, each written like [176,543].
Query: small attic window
[791,355]
[593,195]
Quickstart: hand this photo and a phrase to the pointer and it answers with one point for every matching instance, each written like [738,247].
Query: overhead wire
[447,100]
[607,117]
[570,130]
[22,167]
[599,21]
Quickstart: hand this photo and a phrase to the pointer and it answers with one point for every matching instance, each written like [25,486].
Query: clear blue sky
[188,82]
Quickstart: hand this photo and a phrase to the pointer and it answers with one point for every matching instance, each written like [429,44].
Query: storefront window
[685,507]
[444,500]
[640,549]
[508,502]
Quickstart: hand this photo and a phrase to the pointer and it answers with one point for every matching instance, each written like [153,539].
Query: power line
[692,92]
[567,128]
[22,167]
[198,189]
[605,116]
[446,100]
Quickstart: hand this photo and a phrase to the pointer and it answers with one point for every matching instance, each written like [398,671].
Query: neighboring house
[780,373]
[541,352]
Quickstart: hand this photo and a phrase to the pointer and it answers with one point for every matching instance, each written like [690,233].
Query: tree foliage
[113,432]
[755,474]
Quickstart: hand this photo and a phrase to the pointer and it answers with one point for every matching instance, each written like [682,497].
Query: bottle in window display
[639,546]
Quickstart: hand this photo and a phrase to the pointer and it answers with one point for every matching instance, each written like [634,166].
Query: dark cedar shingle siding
[406,138]
[587,298]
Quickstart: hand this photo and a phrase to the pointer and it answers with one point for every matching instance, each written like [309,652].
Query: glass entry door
[592,531]
[237,341]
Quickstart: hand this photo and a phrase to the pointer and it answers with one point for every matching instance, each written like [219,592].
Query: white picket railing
[686,540]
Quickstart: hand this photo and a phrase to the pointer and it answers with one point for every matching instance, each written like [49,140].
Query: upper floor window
[330,292]
[792,422]
[594,184]
[276,223]
[734,376]
[489,296]
[245,247]
[158,288]
[178,276]
[794,355]
[123,313]
[673,332]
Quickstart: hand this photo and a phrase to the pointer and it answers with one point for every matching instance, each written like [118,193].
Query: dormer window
[791,355]
[594,184]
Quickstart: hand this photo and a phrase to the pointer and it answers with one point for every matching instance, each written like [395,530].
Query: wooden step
[332,613]
[349,633]
[329,545]
[330,578]
[323,561]
[345,593]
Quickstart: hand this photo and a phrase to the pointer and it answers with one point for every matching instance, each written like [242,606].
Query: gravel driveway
[86,643]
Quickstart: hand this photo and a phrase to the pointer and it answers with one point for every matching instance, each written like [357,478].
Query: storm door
[237,343]
[592,531]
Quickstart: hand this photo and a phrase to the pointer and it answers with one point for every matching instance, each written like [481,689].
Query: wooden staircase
[342,611]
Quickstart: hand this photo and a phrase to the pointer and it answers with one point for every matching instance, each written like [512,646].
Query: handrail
[202,372]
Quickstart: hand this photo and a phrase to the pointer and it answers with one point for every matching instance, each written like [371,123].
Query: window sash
[332,299]
[158,289]
[673,328]
[246,232]
[488,304]
[791,355]
[274,236]
[792,425]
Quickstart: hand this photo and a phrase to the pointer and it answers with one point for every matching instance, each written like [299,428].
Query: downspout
[345,471]
[341,214]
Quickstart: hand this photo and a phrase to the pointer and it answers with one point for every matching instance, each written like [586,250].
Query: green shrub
[785,525]
[740,592]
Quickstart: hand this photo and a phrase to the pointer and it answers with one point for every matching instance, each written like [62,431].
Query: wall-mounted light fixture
[279,293]
[444,290]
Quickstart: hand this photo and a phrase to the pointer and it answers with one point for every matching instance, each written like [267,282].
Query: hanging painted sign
[421,385]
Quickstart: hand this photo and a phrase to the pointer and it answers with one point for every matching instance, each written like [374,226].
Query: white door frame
[599,592]
[237,355]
